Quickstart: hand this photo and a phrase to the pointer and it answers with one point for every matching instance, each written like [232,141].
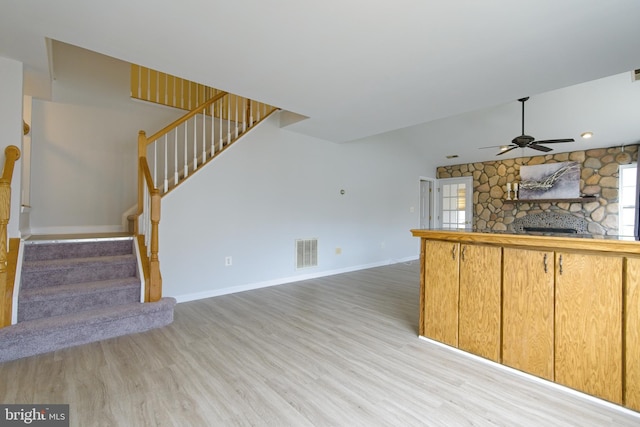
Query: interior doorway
[427,203]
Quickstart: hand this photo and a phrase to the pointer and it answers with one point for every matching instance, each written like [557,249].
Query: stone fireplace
[599,172]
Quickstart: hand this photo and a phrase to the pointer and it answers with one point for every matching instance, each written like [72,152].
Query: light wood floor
[336,351]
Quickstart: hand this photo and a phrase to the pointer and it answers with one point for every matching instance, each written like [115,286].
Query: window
[627,200]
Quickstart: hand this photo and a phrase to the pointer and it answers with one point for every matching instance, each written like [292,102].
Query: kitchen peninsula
[563,308]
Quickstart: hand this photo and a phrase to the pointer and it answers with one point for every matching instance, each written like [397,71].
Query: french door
[455,202]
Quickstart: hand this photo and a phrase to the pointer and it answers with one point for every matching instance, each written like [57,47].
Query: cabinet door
[479,308]
[588,329]
[441,291]
[632,335]
[527,311]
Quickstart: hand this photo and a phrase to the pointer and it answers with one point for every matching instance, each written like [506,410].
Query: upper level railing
[162,88]
[176,152]
[12,154]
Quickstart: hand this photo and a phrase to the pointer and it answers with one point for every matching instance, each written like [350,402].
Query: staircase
[79,291]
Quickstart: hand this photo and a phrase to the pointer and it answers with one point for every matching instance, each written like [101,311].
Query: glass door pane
[455,202]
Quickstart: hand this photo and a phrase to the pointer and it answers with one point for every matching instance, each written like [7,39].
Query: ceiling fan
[527,141]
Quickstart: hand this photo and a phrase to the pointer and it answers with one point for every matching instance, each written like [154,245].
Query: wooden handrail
[186,117]
[146,173]
[12,154]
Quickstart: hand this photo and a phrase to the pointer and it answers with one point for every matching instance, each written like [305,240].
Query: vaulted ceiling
[445,74]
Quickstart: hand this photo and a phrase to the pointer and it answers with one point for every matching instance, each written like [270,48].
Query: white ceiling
[447,74]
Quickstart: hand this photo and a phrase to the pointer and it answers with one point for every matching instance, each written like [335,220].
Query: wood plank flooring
[335,351]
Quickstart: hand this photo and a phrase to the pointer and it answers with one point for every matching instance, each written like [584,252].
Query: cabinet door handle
[544,261]
[560,264]
[453,252]
[462,253]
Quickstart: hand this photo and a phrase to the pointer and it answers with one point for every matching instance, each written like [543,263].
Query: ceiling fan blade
[535,146]
[555,141]
[507,150]
[492,146]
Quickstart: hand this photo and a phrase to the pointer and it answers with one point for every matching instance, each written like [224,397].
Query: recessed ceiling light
[452,156]
[586,135]
[504,147]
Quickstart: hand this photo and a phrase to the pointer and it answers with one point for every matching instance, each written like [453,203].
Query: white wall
[251,203]
[25,161]
[11,81]
[275,186]
[84,169]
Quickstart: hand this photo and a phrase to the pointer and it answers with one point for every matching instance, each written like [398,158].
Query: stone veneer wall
[599,177]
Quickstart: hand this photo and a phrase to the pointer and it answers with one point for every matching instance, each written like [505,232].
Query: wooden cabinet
[632,334]
[527,311]
[587,327]
[577,324]
[441,278]
[479,307]
[588,324]
[462,296]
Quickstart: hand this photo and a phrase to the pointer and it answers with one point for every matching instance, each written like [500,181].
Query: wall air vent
[306,253]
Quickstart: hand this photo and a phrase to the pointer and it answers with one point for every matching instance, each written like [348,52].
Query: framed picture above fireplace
[550,181]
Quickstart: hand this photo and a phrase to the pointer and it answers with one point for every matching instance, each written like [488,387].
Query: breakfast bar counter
[563,307]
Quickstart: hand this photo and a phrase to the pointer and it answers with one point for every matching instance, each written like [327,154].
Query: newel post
[155,287]
[12,153]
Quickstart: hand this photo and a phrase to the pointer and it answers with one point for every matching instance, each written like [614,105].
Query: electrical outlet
[228,261]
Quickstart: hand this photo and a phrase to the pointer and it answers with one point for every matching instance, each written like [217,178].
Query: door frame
[431,201]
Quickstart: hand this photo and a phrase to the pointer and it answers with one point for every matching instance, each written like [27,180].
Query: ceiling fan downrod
[523,100]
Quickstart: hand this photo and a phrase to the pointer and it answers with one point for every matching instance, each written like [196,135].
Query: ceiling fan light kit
[527,141]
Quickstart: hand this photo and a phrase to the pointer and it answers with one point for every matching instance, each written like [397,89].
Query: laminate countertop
[628,245]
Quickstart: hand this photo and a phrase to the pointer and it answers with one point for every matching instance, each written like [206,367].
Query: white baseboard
[77,229]
[281,281]
[17,281]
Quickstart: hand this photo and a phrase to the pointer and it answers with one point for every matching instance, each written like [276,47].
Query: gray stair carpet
[79,291]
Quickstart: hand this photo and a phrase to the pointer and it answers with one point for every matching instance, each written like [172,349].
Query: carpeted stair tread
[56,300]
[41,327]
[36,274]
[77,249]
[52,333]
[76,289]
[55,264]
